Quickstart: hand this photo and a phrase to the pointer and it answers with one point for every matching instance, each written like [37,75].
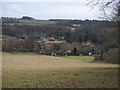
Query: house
[88,43]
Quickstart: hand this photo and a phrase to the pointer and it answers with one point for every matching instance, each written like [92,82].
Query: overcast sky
[49,9]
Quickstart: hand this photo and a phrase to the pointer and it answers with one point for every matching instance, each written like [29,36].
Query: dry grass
[0,70]
[37,71]
[27,62]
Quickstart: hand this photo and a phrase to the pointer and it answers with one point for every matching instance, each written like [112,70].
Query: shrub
[111,56]
[99,58]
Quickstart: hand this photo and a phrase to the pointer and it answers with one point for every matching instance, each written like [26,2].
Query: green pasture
[82,58]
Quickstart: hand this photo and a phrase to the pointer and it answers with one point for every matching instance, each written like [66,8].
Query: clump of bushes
[98,58]
[111,56]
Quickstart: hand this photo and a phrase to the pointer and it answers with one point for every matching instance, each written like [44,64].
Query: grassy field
[82,58]
[41,71]
[36,22]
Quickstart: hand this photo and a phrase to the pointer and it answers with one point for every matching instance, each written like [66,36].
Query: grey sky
[49,10]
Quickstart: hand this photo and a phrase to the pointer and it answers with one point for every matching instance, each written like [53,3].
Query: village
[49,46]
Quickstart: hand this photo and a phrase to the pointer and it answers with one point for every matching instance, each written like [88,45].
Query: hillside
[23,21]
[35,22]
[101,36]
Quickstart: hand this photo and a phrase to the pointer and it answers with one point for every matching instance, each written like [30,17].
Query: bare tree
[110,9]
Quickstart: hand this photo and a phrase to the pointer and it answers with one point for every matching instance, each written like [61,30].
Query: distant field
[36,71]
[36,22]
